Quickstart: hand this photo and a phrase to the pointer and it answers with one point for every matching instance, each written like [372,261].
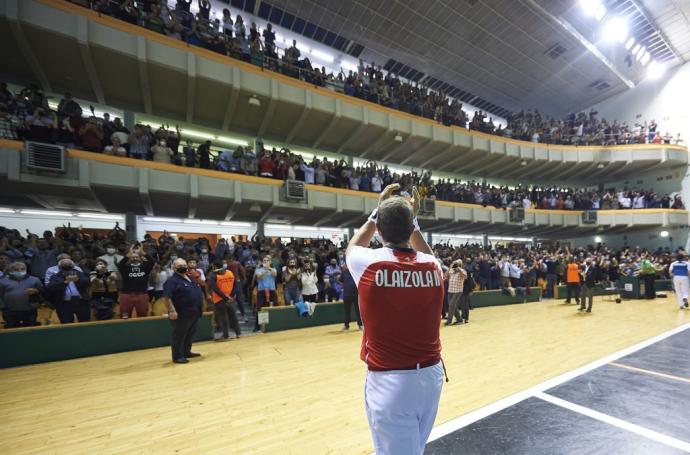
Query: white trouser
[401,408]
[681,284]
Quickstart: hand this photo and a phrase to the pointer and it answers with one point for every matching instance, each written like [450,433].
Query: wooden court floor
[298,391]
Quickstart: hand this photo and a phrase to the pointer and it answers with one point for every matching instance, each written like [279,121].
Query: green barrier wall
[286,318]
[62,342]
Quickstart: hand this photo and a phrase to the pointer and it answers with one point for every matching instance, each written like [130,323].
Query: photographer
[265,277]
[69,289]
[103,290]
[135,269]
[456,277]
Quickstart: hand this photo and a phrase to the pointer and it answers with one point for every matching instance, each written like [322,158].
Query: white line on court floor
[478,414]
[616,422]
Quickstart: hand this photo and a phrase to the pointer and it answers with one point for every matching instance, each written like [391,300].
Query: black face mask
[182,269]
[66,269]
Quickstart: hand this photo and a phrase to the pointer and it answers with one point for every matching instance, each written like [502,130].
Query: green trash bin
[630,287]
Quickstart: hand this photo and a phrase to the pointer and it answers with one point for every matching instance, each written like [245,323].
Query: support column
[350,160]
[131,226]
[350,233]
[260,229]
[485,240]
[129,120]
[428,238]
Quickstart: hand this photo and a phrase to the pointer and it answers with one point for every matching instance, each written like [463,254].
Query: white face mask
[111,251]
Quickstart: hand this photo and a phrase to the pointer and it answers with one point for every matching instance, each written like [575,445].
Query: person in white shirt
[111,258]
[310,292]
[308,173]
[639,202]
[624,200]
[376,183]
[526,203]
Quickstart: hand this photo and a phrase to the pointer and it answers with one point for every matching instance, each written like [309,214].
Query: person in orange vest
[573,279]
[222,284]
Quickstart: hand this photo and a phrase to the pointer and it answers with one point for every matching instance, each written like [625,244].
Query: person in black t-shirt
[135,269]
[350,298]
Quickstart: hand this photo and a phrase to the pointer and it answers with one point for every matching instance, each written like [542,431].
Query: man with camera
[456,277]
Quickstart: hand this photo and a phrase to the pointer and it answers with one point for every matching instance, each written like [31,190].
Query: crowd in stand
[26,115]
[85,276]
[230,37]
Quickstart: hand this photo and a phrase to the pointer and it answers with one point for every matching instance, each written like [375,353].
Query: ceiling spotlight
[398,138]
[523,163]
[629,43]
[597,239]
[254,101]
[663,233]
[645,58]
[594,8]
[655,70]
[601,166]
[616,29]
[255,208]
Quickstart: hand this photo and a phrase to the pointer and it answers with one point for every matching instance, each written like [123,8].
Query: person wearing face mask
[222,284]
[184,299]
[589,280]
[69,289]
[41,256]
[103,291]
[265,277]
[55,269]
[161,152]
[111,257]
[310,291]
[20,295]
[240,275]
[205,257]
[332,269]
[135,270]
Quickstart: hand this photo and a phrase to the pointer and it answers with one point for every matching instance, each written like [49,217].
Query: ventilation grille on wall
[44,157]
[599,84]
[555,51]
[589,217]
[516,215]
[295,191]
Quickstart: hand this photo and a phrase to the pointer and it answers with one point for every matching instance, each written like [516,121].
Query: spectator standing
[69,290]
[240,274]
[310,290]
[465,301]
[222,284]
[20,296]
[204,153]
[350,298]
[589,280]
[572,280]
[648,276]
[161,152]
[265,276]
[292,279]
[184,299]
[456,277]
[103,290]
[135,270]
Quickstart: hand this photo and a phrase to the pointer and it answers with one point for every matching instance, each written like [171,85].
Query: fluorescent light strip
[232,140]
[7,210]
[235,224]
[45,213]
[156,219]
[286,227]
[191,221]
[101,216]
[326,57]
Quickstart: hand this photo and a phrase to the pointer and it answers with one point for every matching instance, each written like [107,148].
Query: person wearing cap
[184,299]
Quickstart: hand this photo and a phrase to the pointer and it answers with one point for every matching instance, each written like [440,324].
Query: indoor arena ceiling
[512,53]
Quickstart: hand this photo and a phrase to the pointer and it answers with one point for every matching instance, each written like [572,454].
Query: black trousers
[225,313]
[465,307]
[19,318]
[349,302]
[183,330]
[261,302]
[649,291]
[572,290]
[67,309]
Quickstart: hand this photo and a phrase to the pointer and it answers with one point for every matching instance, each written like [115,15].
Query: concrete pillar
[349,160]
[428,238]
[485,240]
[131,226]
[260,229]
[350,234]
[128,120]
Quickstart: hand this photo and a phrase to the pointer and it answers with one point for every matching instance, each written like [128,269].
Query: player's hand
[388,192]
[415,200]
[172,315]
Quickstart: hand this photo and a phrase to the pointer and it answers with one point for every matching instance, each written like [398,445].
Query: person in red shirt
[266,166]
[401,293]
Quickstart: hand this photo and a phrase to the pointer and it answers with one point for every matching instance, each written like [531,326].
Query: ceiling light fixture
[601,166]
[629,43]
[398,138]
[594,8]
[645,58]
[655,70]
[664,233]
[616,29]
[640,53]
[254,101]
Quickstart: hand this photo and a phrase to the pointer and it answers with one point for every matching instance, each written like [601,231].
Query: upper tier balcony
[68,48]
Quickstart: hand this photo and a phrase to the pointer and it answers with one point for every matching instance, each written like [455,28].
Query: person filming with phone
[135,269]
[69,289]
